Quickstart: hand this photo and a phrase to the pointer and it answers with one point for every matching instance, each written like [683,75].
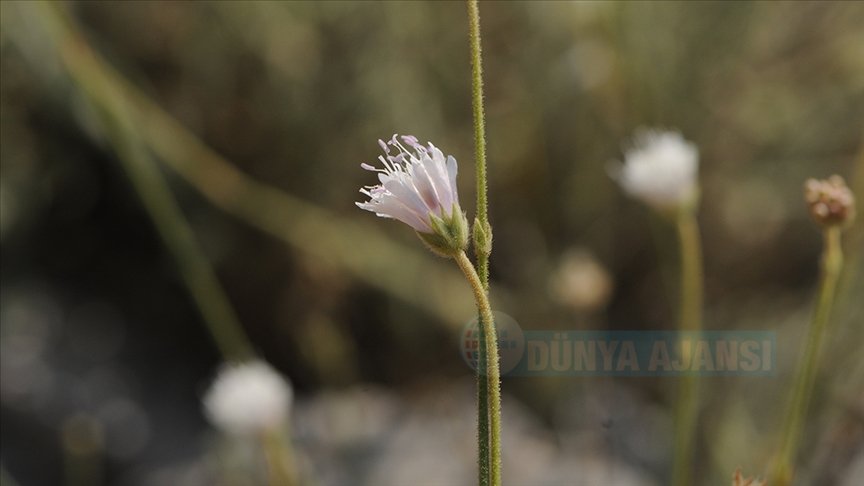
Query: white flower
[418,187]
[414,184]
[248,398]
[661,169]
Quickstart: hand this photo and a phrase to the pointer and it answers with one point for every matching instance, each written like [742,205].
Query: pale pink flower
[415,185]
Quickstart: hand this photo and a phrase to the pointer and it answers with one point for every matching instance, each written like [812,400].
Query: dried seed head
[739,480]
[830,200]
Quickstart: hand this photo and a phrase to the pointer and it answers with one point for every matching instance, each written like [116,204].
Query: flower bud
[830,201]
[482,237]
[449,233]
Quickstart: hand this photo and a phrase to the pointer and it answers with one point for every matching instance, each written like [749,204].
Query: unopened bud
[482,237]
[449,234]
[830,201]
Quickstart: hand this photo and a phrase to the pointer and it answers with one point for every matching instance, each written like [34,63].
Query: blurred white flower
[661,169]
[248,398]
[415,185]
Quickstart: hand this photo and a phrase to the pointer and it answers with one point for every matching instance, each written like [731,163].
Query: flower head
[661,169]
[248,398]
[739,480]
[418,187]
[830,200]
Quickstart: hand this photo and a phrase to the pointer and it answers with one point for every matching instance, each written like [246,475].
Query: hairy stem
[479,120]
[493,377]
[687,402]
[832,263]
[481,224]
[482,410]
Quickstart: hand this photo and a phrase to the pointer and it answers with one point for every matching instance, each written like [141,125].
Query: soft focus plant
[661,170]
[252,400]
[832,206]
[739,480]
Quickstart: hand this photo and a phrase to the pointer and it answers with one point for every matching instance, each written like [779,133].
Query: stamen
[398,145]
[388,167]
[393,141]
[402,149]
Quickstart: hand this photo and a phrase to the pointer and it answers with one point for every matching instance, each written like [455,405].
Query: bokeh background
[253,117]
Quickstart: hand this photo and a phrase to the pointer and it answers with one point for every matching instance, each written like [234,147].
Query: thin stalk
[118,118]
[198,274]
[483,246]
[832,263]
[493,375]
[482,409]
[281,470]
[479,122]
[312,230]
[687,402]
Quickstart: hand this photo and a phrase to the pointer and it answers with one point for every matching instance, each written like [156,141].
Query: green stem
[482,410]
[493,378]
[483,245]
[281,469]
[178,237]
[832,263]
[479,120]
[687,403]
[117,116]
[221,320]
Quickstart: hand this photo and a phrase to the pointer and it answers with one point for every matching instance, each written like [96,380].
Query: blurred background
[173,169]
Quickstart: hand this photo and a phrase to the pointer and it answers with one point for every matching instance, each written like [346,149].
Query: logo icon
[511,342]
